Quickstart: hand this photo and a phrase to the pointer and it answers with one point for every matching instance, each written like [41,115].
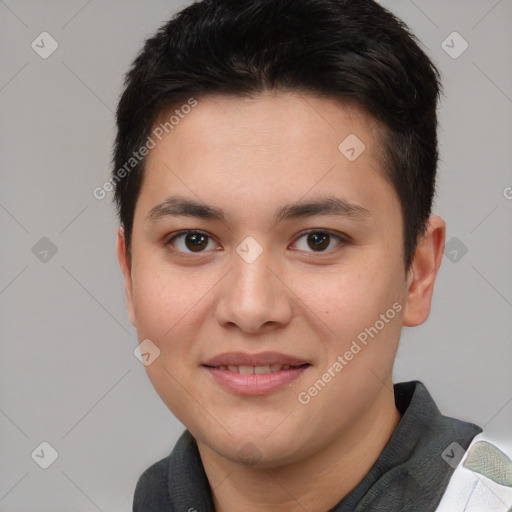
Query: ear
[126,269]
[422,274]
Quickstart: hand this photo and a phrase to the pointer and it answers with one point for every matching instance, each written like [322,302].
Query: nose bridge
[252,279]
[253,295]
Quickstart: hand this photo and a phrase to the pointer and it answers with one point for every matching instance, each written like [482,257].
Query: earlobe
[423,272]
[126,270]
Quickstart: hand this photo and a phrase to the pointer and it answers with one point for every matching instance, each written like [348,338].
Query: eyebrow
[180,206]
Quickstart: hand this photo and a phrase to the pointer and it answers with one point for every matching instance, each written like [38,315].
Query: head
[296,142]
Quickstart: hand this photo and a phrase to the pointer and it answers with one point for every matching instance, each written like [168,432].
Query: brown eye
[318,241]
[191,241]
[195,241]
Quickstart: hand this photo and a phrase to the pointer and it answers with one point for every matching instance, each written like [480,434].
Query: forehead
[273,117]
[273,146]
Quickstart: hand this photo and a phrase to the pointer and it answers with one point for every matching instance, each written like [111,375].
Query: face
[267,268]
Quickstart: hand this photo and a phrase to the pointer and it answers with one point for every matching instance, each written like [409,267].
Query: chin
[255,448]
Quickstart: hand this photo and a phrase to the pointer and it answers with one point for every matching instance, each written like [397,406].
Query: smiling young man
[274,173]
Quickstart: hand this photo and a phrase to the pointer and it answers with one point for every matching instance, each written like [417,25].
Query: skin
[249,157]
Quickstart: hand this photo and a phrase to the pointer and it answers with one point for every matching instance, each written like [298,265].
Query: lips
[255,374]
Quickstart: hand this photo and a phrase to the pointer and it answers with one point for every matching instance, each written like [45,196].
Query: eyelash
[342,239]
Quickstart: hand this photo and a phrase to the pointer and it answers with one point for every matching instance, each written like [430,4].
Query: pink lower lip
[255,384]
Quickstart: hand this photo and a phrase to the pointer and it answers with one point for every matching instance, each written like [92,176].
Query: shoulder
[482,479]
[151,492]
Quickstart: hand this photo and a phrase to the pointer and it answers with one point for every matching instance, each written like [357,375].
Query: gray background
[68,375]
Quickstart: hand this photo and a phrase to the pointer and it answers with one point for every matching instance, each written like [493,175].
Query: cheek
[347,298]
[163,297]
[154,304]
[171,308]
[168,312]
[351,303]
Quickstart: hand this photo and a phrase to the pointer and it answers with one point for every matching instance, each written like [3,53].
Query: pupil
[320,240]
[197,240]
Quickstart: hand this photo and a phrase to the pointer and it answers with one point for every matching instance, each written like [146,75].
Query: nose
[254,296]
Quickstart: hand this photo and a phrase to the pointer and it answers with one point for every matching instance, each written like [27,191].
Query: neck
[315,483]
